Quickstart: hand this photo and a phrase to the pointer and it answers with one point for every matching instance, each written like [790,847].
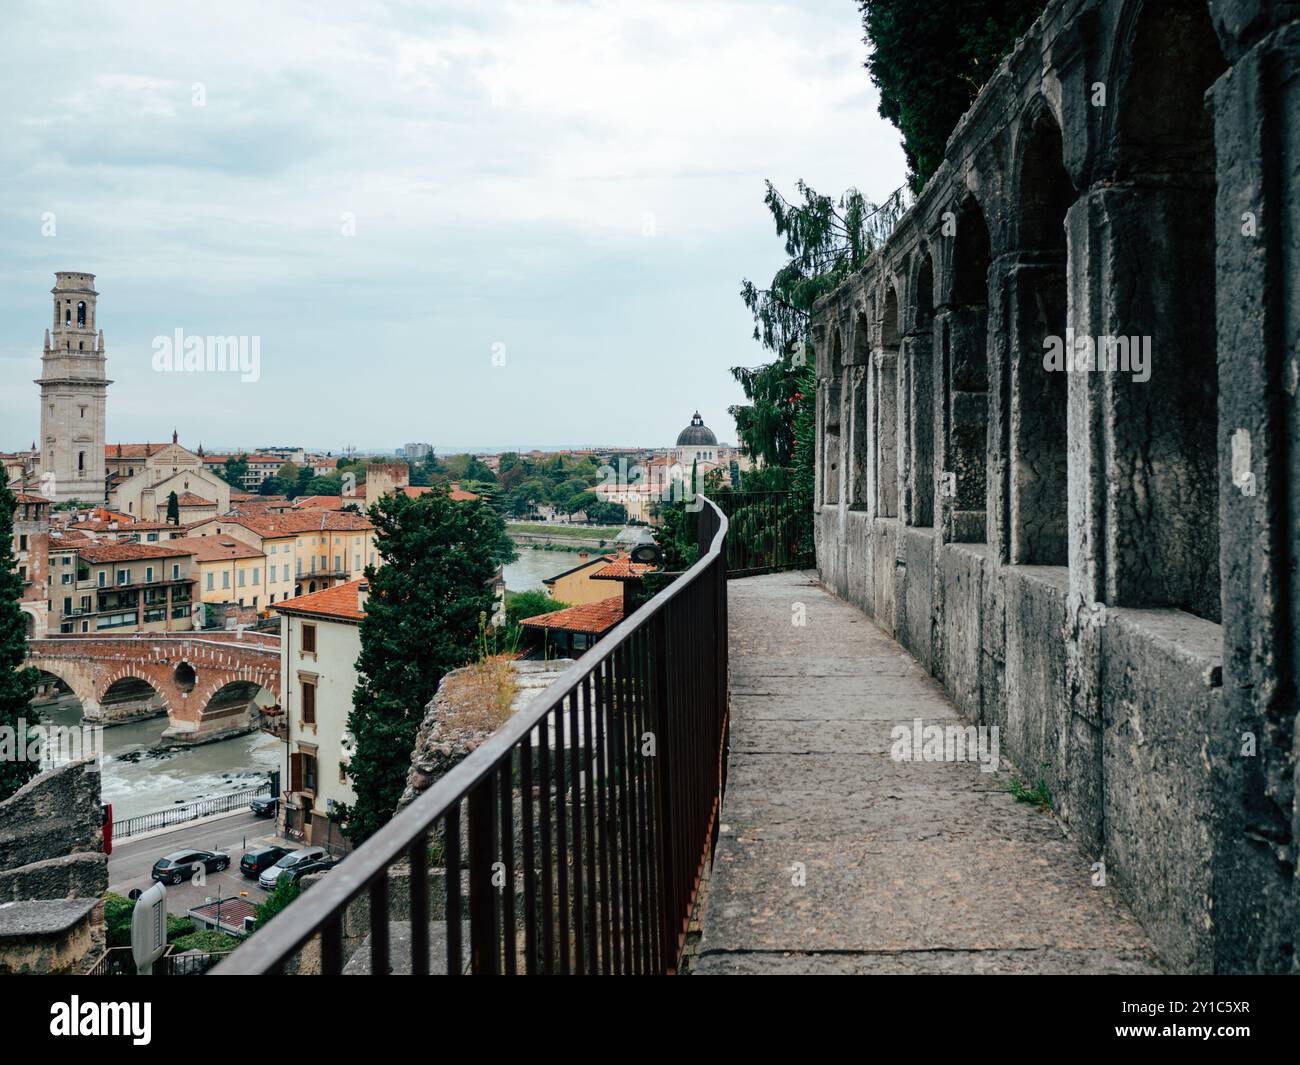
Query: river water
[138,778]
[536,564]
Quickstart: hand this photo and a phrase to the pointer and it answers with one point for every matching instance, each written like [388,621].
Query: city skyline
[438,233]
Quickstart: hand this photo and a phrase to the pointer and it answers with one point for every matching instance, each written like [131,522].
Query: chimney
[363,593]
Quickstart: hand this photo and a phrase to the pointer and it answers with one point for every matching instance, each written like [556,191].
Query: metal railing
[119,961]
[191,811]
[573,840]
[768,531]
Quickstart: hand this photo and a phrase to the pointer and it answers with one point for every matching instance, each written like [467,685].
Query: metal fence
[192,811]
[573,840]
[119,961]
[768,531]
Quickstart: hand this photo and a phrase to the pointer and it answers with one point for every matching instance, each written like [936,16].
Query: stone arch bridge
[205,683]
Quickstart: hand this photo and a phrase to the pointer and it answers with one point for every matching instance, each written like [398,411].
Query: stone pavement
[920,867]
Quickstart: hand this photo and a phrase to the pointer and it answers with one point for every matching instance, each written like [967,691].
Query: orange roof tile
[190,499]
[593,618]
[27,497]
[623,569]
[128,552]
[339,603]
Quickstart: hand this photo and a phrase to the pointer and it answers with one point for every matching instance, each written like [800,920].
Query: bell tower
[74,392]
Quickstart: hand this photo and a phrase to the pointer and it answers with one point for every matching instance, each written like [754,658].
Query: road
[132,859]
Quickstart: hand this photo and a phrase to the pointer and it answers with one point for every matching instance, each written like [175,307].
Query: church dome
[697,433]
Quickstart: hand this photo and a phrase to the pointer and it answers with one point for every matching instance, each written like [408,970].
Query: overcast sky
[573,187]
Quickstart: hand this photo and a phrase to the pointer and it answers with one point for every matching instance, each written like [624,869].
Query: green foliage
[208,941]
[17,683]
[1038,796]
[284,892]
[235,472]
[117,920]
[929,62]
[678,536]
[324,486]
[826,240]
[422,620]
[173,509]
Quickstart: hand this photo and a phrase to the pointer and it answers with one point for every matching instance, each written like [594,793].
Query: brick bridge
[205,683]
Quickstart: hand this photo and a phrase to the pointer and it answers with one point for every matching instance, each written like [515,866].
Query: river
[534,565]
[138,779]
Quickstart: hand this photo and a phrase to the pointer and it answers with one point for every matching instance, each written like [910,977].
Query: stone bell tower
[74,391]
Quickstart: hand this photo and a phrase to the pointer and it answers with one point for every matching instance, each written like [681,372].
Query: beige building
[305,552]
[115,588]
[31,545]
[320,641]
[577,586]
[227,570]
[143,477]
[74,393]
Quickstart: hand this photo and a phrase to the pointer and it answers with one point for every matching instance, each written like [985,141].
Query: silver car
[306,854]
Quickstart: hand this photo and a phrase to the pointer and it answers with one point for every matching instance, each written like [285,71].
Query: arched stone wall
[1126,173]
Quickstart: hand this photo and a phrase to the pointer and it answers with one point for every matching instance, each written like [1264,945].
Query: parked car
[306,854]
[256,862]
[181,865]
[264,806]
[301,869]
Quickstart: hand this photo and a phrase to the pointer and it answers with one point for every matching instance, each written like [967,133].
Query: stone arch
[832,418]
[885,401]
[1155,216]
[917,369]
[859,408]
[184,676]
[1035,307]
[81,687]
[961,330]
[31,623]
[126,694]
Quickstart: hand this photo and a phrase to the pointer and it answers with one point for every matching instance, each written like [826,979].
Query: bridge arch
[126,694]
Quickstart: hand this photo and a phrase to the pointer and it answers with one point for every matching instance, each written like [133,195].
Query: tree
[17,684]
[173,509]
[236,471]
[929,62]
[284,892]
[422,620]
[272,486]
[324,486]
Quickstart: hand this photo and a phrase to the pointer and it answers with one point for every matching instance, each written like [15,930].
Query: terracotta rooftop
[131,451]
[128,552]
[214,548]
[299,522]
[595,619]
[28,498]
[339,603]
[323,502]
[623,569]
[190,499]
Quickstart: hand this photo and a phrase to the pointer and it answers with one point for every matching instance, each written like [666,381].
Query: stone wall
[1099,561]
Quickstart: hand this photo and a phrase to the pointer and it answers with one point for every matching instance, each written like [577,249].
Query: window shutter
[309,703]
[295,772]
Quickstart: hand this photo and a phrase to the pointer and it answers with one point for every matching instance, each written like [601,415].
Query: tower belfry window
[81,314]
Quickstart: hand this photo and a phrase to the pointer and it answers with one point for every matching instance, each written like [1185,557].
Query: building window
[123,576]
[225,579]
[309,638]
[148,575]
[309,702]
[209,581]
[176,571]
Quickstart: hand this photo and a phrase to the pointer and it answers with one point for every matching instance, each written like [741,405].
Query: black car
[252,863]
[181,865]
[319,865]
[264,807]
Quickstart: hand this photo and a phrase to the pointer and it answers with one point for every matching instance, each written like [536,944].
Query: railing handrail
[299,922]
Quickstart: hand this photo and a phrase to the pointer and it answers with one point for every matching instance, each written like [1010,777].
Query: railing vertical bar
[506,813]
[544,741]
[595,886]
[451,857]
[561,838]
[379,959]
[529,857]
[331,945]
[482,897]
[576,775]
[608,885]
[625,678]
[418,855]
[650,839]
